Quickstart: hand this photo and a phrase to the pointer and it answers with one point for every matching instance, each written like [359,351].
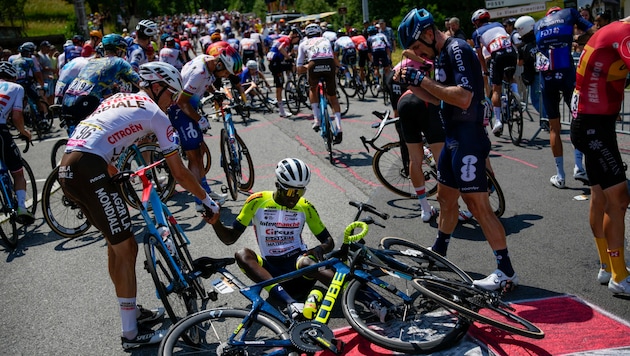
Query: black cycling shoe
[338,138]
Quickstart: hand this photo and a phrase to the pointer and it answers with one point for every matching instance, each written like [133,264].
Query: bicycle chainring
[303,336]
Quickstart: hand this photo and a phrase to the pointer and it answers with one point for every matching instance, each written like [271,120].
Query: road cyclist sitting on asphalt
[278,218]
[462,164]
[84,174]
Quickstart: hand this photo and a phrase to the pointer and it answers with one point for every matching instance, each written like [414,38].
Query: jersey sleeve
[248,210]
[164,131]
[313,220]
[462,73]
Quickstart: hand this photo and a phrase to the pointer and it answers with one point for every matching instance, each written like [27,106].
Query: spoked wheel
[350,87]
[178,300]
[57,152]
[391,170]
[8,224]
[292,97]
[344,101]
[229,165]
[495,193]
[206,157]
[245,173]
[328,133]
[468,301]
[412,326]
[216,327]
[186,262]
[515,120]
[160,175]
[62,215]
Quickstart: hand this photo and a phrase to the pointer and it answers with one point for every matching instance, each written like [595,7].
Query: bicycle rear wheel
[245,174]
[328,132]
[344,101]
[515,119]
[178,299]
[228,164]
[206,157]
[468,301]
[31,188]
[215,328]
[382,317]
[495,194]
[62,215]
[186,261]
[8,224]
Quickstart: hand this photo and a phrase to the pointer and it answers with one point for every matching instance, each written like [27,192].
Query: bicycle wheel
[62,215]
[46,121]
[350,87]
[468,301]
[393,173]
[57,152]
[163,181]
[178,300]
[31,188]
[206,157]
[216,327]
[8,224]
[227,162]
[414,326]
[186,261]
[515,119]
[327,132]
[386,99]
[495,194]
[245,173]
[303,88]
[292,97]
[344,101]
[418,261]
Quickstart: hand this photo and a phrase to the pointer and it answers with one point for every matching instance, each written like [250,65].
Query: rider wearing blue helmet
[459,87]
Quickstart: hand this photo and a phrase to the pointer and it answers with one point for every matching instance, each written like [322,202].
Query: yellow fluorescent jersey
[279,229]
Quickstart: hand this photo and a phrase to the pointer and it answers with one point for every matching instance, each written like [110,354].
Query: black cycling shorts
[557,83]
[363,58]
[81,108]
[349,57]
[323,68]
[10,153]
[417,118]
[498,62]
[278,266]
[595,136]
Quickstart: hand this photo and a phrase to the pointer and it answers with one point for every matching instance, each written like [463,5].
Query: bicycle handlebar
[29,143]
[385,120]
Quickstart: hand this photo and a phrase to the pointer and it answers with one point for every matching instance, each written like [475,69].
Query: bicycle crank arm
[335,346]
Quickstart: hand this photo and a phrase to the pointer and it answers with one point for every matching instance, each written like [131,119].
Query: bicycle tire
[206,157]
[46,121]
[410,327]
[31,120]
[227,163]
[57,152]
[165,182]
[208,324]
[495,194]
[245,175]
[515,119]
[421,261]
[327,131]
[372,83]
[8,224]
[391,171]
[178,300]
[386,99]
[467,300]
[186,260]
[31,188]
[303,89]
[344,101]
[292,97]
[63,216]
[350,87]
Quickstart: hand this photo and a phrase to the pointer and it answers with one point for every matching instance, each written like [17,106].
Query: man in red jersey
[600,82]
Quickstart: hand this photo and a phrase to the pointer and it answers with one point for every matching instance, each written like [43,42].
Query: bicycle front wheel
[8,225]
[245,172]
[328,132]
[31,188]
[57,152]
[391,170]
[62,215]
[216,327]
[178,299]
[228,163]
[160,175]
[206,157]
[468,301]
[384,318]
[344,101]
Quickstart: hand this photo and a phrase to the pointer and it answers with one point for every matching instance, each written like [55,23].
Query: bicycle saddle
[209,266]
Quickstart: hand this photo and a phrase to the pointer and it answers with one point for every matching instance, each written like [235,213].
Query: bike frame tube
[6,190]
[228,125]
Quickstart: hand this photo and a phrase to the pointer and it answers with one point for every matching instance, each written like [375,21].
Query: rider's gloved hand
[211,210]
[204,125]
[411,76]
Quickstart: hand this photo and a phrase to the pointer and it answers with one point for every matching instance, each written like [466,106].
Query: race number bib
[542,62]
[575,100]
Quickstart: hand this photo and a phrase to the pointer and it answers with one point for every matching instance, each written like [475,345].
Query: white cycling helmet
[481,14]
[147,27]
[252,65]
[312,30]
[8,69]
[524,25]
[154,72]
[293,173]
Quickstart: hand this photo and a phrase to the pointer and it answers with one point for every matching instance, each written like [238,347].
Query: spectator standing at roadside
[597,99]
[48,71]
[388,32]
[454,29]
[462,162]
[554,38]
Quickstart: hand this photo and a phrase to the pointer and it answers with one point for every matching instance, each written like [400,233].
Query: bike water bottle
[312,303]
[165,234]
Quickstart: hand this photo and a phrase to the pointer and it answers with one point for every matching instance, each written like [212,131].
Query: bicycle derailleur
[311,337]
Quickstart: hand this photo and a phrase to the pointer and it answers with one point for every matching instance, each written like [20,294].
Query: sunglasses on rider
[174,93]
[291,192]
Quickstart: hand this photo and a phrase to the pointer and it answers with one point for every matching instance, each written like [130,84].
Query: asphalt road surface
[58,299]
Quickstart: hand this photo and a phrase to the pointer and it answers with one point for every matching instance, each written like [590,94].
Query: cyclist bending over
[13,96]
[84,175]
[316,56]
[278,219]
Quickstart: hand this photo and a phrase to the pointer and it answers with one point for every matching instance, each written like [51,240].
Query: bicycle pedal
[508,287]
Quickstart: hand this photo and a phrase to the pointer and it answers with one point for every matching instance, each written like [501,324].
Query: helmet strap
[433,43]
